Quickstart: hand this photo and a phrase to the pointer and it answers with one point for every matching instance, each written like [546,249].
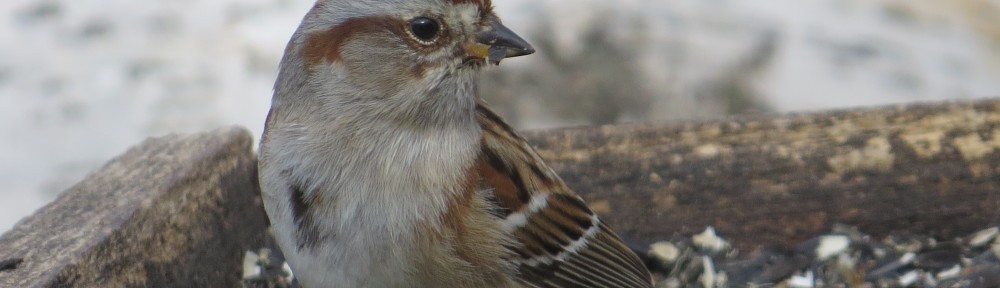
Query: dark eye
[424,28]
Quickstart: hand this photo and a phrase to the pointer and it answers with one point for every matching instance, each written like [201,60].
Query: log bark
[176,211]
[179,211]
[928,168]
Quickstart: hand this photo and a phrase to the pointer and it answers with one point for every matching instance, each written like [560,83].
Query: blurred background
[82,80]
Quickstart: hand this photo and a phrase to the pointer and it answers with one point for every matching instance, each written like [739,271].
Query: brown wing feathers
[559,241]
[590,266]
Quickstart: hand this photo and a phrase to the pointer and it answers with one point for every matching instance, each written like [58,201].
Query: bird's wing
[559,241]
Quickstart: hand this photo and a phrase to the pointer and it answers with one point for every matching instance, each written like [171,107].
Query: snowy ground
[84,79]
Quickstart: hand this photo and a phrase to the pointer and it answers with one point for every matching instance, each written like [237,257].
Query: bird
[379,165]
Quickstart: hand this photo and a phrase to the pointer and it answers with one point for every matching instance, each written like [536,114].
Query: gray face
[413,61]
[386,48]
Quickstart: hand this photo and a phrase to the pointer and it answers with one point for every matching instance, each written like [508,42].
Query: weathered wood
[931,169]
[176,211]
[179,211]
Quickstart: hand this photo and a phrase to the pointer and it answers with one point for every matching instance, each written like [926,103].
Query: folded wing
[559,241]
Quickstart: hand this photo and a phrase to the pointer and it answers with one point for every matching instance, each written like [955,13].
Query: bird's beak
[498,43]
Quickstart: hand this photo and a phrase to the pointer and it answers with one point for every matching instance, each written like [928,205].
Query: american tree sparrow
[380,166]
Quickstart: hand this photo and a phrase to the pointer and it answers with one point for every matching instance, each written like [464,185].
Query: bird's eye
[424,29]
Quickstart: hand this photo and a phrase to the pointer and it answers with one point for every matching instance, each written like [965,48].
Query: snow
[85,79]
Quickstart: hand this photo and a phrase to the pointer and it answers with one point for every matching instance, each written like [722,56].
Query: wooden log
[180,210]
[176,211]
[931,169]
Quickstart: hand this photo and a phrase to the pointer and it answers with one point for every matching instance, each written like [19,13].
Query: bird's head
[411,55]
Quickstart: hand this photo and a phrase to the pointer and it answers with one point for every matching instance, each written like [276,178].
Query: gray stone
[175,211]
